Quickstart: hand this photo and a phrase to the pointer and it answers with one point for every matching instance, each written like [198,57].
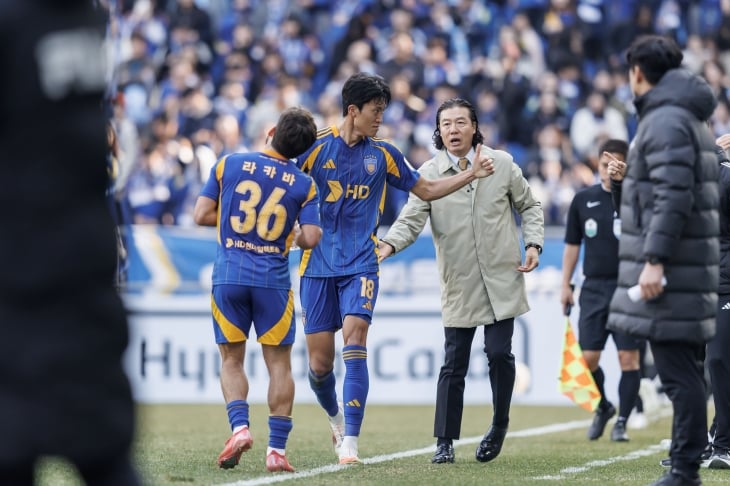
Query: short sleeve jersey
[352,183]
[592,220]
[260,197]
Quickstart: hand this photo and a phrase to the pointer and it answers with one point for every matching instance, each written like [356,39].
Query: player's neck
[349,134]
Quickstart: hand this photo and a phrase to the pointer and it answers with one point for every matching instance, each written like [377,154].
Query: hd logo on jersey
[353,191]
[370,163]
[335,191]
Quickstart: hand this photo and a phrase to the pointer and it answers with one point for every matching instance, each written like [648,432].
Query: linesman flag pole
[576,380]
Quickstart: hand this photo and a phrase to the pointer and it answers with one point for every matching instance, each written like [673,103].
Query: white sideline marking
[547,429]
[651,450]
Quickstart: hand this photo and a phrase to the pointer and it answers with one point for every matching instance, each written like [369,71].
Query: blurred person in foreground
[63,327]
[480,263]
[261,204]
[669,230]
[592,222]
[339,284]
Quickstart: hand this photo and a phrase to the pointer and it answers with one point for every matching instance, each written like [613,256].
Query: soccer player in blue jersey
[255,200]
[339,284]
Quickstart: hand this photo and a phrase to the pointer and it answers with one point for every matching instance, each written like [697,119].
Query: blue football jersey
[260,197]
[352,184]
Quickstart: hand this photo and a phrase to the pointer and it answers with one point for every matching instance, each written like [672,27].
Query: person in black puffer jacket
[63,326]
[670,228]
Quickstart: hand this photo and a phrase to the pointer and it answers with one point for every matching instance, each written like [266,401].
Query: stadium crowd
[192,80]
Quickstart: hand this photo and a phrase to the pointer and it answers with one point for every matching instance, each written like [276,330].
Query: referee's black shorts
[594,301]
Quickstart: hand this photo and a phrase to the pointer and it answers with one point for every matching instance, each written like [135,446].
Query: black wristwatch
[534,245]
[654,260]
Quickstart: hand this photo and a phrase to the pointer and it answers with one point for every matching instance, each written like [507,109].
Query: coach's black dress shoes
[491,444]
[444,453]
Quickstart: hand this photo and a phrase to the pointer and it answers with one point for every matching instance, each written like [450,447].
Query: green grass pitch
[177,445]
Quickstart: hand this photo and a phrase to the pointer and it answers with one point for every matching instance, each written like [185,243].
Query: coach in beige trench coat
[478,252]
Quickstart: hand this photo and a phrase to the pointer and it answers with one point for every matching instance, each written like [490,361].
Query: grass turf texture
[178,445]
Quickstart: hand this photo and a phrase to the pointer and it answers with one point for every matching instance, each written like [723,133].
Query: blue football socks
[324,389]
[355,390]
[237,413]
[279,428]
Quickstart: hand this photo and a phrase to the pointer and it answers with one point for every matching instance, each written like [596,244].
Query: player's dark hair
[295,132]
[361,88]
[614,146]
[451,103]
[655,55]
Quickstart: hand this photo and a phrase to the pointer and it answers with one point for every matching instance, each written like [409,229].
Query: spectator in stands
[252,44]
[595,122]
[404,61]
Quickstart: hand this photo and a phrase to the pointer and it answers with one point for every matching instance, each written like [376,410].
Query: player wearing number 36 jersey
[255,200]
[260,196]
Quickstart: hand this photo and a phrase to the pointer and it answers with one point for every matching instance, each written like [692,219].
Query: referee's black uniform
[592,221]
[63,329]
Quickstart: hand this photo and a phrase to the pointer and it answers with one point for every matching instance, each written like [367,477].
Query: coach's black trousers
[450,391]
[681,371]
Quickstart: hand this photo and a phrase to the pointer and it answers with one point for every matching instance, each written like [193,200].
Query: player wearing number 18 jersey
[255,199]
[353,181]
[339,283]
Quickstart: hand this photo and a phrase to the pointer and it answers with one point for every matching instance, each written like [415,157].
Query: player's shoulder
[325,137]
[234,157]
[299,173]
[589,192]
[326,134]
[384,144]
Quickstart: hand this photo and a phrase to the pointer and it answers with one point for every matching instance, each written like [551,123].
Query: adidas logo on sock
[353,403]
[726,306]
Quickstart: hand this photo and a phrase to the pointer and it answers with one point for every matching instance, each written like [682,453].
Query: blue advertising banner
[175,260]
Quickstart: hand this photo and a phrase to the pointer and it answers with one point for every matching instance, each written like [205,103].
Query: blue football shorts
[236,307]
[327,300]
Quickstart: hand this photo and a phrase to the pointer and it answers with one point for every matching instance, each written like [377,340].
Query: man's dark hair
[655,55]
[614,146]
[361,88]
[451,103]
[295,132]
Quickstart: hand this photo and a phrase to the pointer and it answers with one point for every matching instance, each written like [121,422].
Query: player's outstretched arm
[429,190]
[307,236]
[205,212]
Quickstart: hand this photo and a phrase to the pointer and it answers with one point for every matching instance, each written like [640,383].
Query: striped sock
[279,428]
[237,414]
[355,390]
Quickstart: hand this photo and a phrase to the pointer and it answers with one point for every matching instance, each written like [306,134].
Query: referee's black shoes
[444,453]
[603,415]
[491,444]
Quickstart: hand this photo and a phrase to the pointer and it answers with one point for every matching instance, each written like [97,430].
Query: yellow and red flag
[576,380]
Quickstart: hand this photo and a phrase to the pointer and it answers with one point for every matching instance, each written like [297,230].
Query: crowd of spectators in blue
[193,80]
